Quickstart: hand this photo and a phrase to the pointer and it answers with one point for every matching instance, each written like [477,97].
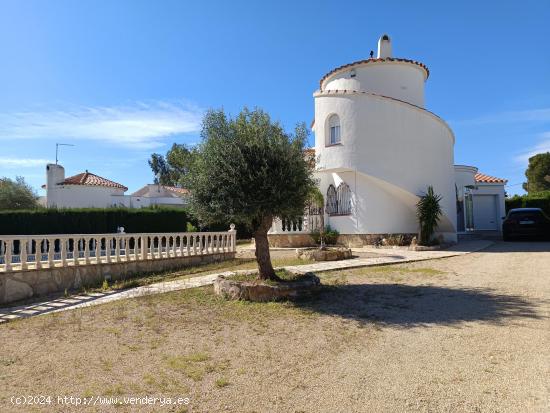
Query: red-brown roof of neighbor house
[489,179]
[90,179]
[181,191]
[373,60]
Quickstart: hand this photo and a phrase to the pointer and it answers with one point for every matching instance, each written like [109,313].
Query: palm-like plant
[428,212]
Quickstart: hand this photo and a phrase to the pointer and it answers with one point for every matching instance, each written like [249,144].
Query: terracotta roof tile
[373,60]
[90,179]
[479,177]
[179,191]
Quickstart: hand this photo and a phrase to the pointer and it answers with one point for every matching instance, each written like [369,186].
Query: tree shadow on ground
[412,306]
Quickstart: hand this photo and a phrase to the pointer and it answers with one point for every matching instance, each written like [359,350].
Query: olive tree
[248,170]
[17,194]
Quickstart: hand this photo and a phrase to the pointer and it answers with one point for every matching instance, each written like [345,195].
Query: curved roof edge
[371,61]
[320,93]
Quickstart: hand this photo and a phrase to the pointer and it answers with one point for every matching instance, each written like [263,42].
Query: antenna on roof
[57,145]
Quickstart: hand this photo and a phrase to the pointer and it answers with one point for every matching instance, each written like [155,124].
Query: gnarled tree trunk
[262,250]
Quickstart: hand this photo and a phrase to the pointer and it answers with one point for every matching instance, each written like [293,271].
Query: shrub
[428,212]
[330,236]
[534,200]
[92,221]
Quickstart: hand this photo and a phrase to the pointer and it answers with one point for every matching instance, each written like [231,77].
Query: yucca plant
[428,212]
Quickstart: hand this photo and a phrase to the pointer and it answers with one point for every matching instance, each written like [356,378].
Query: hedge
[536,200]
[92,221]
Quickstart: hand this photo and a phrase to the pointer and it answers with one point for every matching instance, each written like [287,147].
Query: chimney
[384,47]
[54,175]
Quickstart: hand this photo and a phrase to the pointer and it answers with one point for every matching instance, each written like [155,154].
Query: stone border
[327,254]
[258,291]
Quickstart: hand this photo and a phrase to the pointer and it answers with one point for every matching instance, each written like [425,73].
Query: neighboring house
[377,149]
[89,190]
[156,194]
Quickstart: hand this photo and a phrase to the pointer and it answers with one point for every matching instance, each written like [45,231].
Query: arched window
[334,130]
[343,199]
[339,200]
[332,205]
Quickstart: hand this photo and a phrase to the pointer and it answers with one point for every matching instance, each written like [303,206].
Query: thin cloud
[533,115]
[7,162]
[542,146]
[140,125]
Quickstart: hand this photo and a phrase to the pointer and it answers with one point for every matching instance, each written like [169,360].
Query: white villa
[377,148]
[87,190]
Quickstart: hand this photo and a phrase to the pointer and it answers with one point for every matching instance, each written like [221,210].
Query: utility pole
[57,145]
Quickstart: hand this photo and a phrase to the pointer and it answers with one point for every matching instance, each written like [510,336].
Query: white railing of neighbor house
[22,252]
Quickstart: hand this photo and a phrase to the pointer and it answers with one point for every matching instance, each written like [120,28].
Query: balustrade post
[87,250]
[174,246]
[76,250]
[233,238]
[51,252]
[187,245]
[23,253]
[7,255]
[143,248]
[117,250]
[63,242]
[38,253]
[108,243]
[97,250]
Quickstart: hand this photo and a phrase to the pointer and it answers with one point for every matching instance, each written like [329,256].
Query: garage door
[485,212]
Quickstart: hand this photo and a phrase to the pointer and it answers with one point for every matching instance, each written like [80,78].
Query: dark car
[526,223]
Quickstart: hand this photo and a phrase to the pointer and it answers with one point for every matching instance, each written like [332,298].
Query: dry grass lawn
[414,337]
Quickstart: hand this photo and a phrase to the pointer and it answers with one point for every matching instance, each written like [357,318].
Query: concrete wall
[18,285]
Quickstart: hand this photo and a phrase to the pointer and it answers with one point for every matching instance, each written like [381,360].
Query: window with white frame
[334,130]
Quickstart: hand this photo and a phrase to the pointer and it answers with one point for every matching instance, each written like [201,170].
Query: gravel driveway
[475,338]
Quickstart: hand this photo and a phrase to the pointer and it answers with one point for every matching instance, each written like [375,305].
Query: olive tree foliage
[170,169]
[248,170]
[16,194]
[538,173]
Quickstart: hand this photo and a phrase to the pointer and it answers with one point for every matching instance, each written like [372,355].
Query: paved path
[385,257]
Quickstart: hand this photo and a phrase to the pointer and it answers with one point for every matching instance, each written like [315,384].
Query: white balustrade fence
[22,252]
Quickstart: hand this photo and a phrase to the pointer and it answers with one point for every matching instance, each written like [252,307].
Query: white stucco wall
[81,196]
[400,80]
[396,150]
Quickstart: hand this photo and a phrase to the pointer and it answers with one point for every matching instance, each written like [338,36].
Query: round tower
[378,149]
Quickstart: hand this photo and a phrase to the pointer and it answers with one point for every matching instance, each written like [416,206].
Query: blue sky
[123,79]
